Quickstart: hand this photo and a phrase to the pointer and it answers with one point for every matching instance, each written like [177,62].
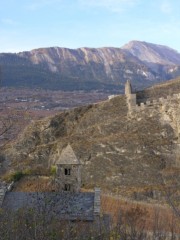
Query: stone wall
[3,189]
[169,112]
[155,102]
[2,194]
[97,201]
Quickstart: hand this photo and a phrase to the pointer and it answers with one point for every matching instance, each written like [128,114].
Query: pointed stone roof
[67,156]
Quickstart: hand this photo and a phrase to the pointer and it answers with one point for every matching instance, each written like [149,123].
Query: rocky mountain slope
[89,68]
[153,53]
[126,154]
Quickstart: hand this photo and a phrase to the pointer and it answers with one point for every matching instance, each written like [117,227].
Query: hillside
[160,90]
[104,69]
[122,153]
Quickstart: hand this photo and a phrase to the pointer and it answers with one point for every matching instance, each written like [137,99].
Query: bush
[53,170]
[17,176]
[27,172]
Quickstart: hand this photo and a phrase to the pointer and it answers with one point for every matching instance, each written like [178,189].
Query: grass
[151,213]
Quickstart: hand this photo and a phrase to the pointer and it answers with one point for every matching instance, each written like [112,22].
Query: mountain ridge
[85,68]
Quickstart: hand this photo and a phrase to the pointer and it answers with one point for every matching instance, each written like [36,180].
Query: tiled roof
[67,156]
[66,205]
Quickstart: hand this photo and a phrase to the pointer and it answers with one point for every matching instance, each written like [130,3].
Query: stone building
[66,203]
[68,174]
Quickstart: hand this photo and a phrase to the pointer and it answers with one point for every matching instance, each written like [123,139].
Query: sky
[31,24]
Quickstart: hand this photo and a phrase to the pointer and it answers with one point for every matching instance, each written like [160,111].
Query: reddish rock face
[91,68]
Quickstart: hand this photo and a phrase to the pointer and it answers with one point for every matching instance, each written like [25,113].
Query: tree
[171,189]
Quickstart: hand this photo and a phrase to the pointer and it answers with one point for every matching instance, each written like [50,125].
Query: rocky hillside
[89,68]
[122,153]
[160,90]
[153,53]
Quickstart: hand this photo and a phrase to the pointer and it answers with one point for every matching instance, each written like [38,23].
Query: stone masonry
[68,175]
[168,109]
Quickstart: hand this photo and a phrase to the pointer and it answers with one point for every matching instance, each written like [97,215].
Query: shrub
[53,170]
[17,176]
[27,172]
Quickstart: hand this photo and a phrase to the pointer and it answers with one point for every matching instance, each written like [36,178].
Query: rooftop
[65,206]
[67,156]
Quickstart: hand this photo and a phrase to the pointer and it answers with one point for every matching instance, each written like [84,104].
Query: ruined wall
[157,102]
[169,110]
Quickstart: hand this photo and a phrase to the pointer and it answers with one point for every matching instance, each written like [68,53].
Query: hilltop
[121,153]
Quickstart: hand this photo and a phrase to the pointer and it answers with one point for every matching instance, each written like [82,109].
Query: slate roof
[65,206]
[67,156]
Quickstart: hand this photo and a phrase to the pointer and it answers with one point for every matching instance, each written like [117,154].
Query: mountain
[120,152]
[153,53]
[90,68]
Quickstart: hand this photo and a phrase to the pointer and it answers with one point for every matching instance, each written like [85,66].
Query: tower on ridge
[131,97]
[128,88]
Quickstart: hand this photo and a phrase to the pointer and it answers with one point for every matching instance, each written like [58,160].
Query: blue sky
[30,24]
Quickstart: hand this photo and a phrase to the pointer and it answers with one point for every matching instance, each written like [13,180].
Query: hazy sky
[29,24]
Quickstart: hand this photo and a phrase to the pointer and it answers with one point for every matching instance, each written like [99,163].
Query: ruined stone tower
[128,88]
[68,174]
[131,97]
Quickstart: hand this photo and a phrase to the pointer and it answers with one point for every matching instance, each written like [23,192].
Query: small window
[67,187]
[67,171]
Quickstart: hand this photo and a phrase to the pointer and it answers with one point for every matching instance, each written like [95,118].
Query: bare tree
[171,190]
